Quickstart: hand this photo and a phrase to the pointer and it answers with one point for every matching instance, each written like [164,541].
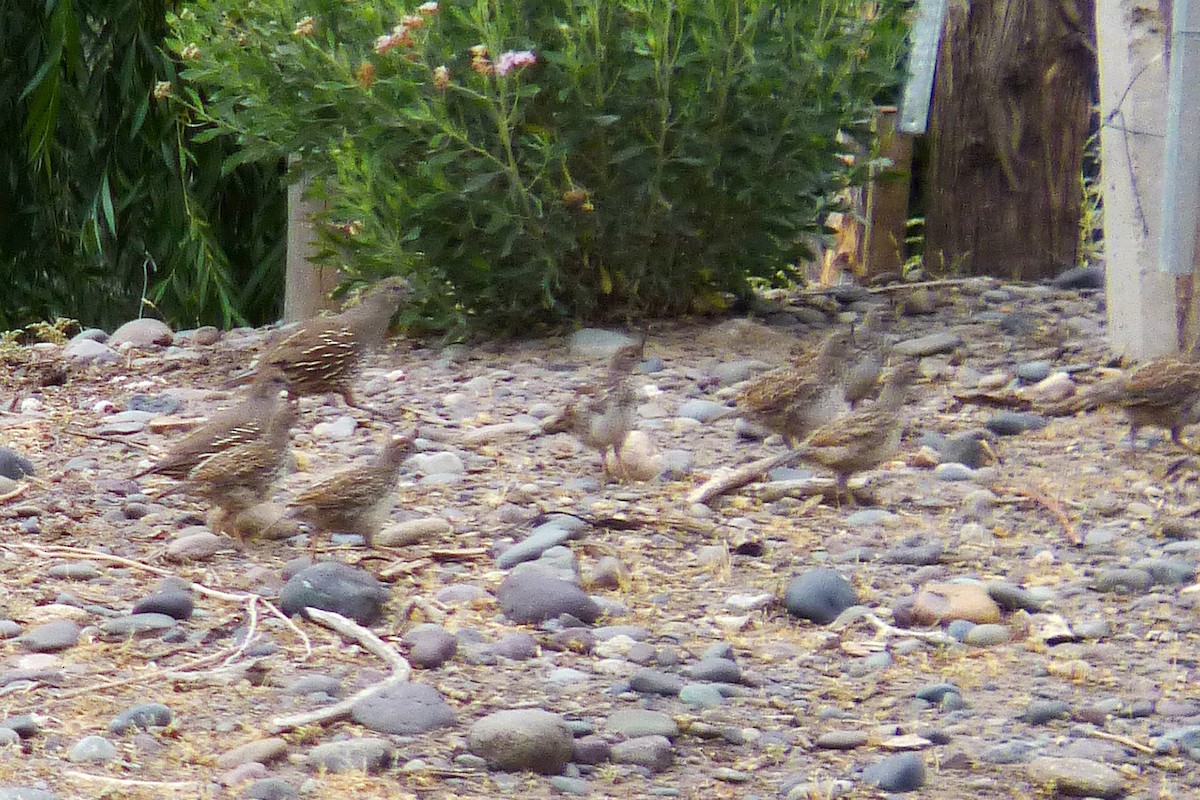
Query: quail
[229,428]
[602,415]
[796,399]
[356,499]
[865,437]
[862,379]
[323,355]
[1164,393]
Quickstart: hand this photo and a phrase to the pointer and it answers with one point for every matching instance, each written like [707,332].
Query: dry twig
[1048,503]
[724,483]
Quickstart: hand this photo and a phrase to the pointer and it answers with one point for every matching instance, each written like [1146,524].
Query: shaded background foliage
[105,196]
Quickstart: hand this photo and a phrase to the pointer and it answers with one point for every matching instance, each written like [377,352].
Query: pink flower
[513,60]
[441,77]
[399,37]
[428,9]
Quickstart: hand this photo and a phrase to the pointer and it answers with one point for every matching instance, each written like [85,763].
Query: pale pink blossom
[399,37]
[428,9]
[512,60]
[441,77]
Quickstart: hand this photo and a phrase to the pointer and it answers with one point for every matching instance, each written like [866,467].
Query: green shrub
[540,162]
[104,201]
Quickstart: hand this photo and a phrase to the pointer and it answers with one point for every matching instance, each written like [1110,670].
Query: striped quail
[601,416]
[866,437]
[356,499]
[228,428]
[323,355]
[862,379]
[1164,393]
[796,399]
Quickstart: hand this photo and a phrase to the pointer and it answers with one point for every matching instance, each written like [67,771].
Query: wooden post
[1143,315]
[887,198]
[307,286]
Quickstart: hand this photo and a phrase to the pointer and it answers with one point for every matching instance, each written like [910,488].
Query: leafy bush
[546,161]
[104,200]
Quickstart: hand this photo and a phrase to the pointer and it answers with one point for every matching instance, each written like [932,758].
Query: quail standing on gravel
[862,379]
[323,355]
[601,416]
[357,499]
[1164,393]
[229,428]
[796,399]
[866,437]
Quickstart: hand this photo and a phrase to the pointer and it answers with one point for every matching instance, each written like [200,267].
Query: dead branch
[401,670]
[724,483]
[1048,503]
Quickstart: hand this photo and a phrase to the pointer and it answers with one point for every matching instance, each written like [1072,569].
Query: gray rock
[1039,712]
[51,637]
[144,332]
[522,740]
[936,692]
[137,625]
[403,709]
[1011,423]
[1088,277]
[430,646]
[519,646]
[701,410]
[722,670]
[536,595]
[270,789]
[1185,739]
[1167,571]
[899,773]
[870,516]
[366,754]
[331,586]
[25,793]
[92,749]
[75,570]
[960,629]
[988,635]
[590,750]
[702,695]
[13,465]
[928,345]
[819,595]
[156,404]
[1076,777]
[315,684]
[653,753]
[174,603]
[915,553]
[87,351]
[652,681]
[635,722]
[143,715]
[597,342]
[842,740]
[1011,597]
[541,539]
[1121,580]
[952,472]
[259,751]
[1033,371]
[443,463]
[728,373]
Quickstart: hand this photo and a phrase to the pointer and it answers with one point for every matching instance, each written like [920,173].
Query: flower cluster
[480,61]
[162,90]
[441,77]
[305,27]
[512,60]
[399,37]
[365,74]
[190,53]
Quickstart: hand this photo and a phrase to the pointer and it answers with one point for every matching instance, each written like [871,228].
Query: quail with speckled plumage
[356,499]
[323,355]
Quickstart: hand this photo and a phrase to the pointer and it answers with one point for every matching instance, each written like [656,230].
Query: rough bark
[1011,113]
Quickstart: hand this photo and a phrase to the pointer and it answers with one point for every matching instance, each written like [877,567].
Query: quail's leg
[1177,438]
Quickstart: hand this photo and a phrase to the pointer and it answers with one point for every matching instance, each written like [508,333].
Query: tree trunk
[1011,114]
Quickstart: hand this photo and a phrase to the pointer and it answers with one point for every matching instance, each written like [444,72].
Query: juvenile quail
[228,428]
[323,355]
[866,437]
[862,379]
[796,399]
[1164,393]
[602,415]
[356,499]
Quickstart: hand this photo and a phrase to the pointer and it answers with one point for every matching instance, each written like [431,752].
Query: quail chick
[1163,393]
[602,415]
[229,428]
[862,379]
[323,355]
[796,399]
[356,499]
[866,437]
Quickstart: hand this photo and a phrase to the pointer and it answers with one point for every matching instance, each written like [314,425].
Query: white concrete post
[1142,317]
[306,285]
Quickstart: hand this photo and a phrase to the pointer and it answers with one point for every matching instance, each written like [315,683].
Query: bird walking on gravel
[1164,393]
[229,428]
[323,355]
[359,498]
[796,399]
[866,437]
[602,415]
[862,379]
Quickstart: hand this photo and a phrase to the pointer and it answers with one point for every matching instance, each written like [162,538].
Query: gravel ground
[1018,625]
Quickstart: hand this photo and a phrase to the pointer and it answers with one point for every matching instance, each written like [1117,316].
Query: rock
[597,343]
[653,753]
[143,715]
[518,646]
[443,463]
[270,789]
[542,538]
[13,465]
[1088,277]
[196,546]
[403,709]
[1054,388]
[640,458]
[704,695]
[339,430]
[928,345]
[900,773]
[1011,423]
[1039,712]
[134,625]
[522,740]
[842,740]
[701,410]
[652,681]
[819,595]
[952,472]
[1076,777]
[1011,597]
[145,332]
[51,637]
[635,722]
[86,351]
[1121,580]
[92,749]
[366,754]
[156,404]
[413,531]
[261,751]
[589,750]
[987,635]
[721,670]
[25,793]
[942,602]
[430,646]
[331,586]
[536,595]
